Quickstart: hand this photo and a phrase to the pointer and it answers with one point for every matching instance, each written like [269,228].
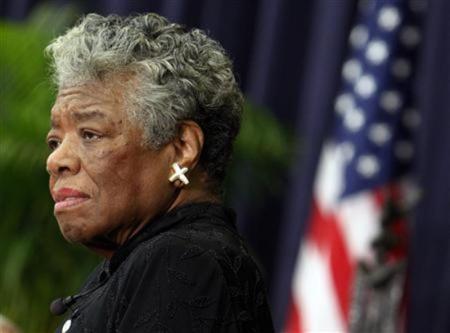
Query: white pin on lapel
[179,174]
[66,326]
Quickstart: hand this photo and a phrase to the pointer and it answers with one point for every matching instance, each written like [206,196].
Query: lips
[67,198]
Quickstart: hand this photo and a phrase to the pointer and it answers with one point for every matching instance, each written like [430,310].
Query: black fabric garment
[187,271]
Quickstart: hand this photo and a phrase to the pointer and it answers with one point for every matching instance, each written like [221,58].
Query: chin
[74,232]
[73,236]
[89,235]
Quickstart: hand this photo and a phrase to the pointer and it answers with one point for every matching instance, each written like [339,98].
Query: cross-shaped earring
[179,174]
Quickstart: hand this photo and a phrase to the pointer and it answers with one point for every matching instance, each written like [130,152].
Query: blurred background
[340,175]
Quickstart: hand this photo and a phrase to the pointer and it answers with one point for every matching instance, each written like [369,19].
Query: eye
[53,143]
[89,135]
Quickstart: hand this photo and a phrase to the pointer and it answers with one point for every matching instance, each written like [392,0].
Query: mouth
[69,202]
[67,198]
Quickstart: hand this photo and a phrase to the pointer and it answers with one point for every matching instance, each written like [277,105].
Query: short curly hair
[181,75]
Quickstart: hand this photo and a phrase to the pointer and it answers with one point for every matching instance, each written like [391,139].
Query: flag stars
[410,36]
[343,103]
[347,149]
[411,119]
[367,165]
[366,86]
[379,133]
[352,70]
[389,18]
[401,68]
[377,51]
[354,119]
[391,101]
[404,150]
[376,119]
[359,36]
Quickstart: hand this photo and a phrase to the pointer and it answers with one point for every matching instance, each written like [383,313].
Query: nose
[63,160]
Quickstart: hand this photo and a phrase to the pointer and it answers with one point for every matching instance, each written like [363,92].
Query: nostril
[59,166]
[62,168]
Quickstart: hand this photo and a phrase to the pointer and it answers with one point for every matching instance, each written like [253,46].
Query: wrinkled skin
[96,150]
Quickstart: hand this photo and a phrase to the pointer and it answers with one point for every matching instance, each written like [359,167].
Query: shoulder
[175,281]
[202,244]
[169,260]
[197,258]
[205,272]
[201,255]
[172,253]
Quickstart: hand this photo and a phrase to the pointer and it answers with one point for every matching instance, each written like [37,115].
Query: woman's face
[105,184]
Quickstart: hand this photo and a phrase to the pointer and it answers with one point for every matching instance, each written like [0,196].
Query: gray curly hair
[181,75]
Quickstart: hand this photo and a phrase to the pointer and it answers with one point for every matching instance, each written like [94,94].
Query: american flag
[363,167]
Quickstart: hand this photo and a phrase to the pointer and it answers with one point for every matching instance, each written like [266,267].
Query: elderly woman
[141,133]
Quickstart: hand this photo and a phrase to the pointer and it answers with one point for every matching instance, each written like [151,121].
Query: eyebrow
[88,115]
[80,116]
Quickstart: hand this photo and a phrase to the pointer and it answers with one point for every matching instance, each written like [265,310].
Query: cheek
[115,176]
[107,167]
[136,187]
[107,177]
[125,187]
[119,171]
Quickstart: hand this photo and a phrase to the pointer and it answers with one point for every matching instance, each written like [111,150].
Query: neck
[194,192]
[192,195]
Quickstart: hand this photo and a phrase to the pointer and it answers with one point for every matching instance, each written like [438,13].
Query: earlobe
[188,144]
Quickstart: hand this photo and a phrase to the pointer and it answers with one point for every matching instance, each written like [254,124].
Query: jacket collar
[183,214]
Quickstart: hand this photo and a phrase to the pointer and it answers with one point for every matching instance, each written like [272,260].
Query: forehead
[89,101]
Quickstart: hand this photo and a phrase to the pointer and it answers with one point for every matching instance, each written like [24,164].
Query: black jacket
[187,271]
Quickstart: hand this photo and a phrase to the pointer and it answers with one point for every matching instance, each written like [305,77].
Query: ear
[188,144]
